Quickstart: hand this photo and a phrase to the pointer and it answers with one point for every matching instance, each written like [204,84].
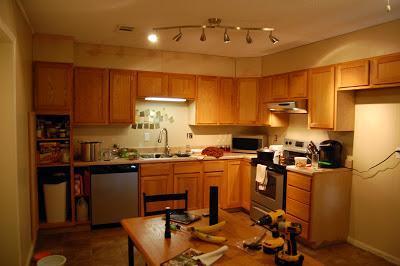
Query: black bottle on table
[167,233]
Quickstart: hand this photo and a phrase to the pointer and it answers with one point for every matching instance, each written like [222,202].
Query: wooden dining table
[147,235]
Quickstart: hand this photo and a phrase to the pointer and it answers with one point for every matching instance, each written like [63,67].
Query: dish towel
[211,257]
[261,176]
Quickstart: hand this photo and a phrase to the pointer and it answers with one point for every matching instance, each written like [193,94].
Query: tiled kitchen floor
[109,247]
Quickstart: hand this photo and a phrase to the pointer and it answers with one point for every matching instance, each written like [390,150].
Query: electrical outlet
[189,135]
[398,152]
[146,136]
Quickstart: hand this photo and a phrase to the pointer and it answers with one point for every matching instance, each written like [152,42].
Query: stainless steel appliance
[248,144]
[273,197]
[114,193]
[291,107]
[294,148]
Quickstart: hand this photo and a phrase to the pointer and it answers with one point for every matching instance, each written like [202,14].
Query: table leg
[131,257]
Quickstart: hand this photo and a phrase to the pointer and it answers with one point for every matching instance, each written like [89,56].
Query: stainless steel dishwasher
[114,193]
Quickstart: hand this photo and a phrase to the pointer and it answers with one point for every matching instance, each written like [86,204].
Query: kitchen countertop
[310,171]
[227,156]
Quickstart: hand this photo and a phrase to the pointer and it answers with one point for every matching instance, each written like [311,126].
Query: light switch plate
[146,136]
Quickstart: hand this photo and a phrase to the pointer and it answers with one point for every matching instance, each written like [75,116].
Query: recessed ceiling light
[238,28]
[152,38]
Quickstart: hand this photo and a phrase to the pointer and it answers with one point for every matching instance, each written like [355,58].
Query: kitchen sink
[162,155]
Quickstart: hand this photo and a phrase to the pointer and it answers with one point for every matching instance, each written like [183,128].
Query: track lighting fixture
[203,35]
[248,37]
[178,36]
[215,23]
[226,36]
[272,38]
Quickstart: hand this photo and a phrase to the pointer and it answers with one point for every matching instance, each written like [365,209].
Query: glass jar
[314,160]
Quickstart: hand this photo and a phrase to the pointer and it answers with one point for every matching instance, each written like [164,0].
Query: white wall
[15,227]
[376,201]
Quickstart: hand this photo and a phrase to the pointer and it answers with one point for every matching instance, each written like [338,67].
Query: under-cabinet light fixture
[164,99]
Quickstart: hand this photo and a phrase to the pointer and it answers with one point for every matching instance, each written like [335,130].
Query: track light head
[203,35]
[226,37]
[272,38]
[248,37]
[178,36]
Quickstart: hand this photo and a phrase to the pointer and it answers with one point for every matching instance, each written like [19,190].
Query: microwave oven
[248,144]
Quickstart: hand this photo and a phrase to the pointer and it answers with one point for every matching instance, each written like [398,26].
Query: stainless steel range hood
[291,107]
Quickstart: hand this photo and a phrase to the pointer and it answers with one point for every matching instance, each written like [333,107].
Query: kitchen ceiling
[297,22]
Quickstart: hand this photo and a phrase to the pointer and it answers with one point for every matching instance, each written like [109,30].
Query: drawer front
[298,209]
[155,169]
[298,194]
[187,168]
[299,181]
[304,225]
[217,166]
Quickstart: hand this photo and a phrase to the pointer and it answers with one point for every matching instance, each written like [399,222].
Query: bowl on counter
[300,162]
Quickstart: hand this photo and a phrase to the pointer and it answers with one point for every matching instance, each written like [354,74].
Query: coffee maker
[330,154]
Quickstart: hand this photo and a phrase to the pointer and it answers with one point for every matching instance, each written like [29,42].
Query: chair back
[164,197]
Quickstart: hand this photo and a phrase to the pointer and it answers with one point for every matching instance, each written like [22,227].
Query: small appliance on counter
[248,144]
[330,154]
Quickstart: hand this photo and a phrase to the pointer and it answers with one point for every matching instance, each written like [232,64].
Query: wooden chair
[164,197]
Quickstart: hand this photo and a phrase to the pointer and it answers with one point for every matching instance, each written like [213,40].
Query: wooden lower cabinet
[193,184]
[212,179]
[321,204]
[245,179]
[233,195]
[155,179]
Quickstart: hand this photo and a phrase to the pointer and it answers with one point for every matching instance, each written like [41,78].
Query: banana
[209,238]
[209,229]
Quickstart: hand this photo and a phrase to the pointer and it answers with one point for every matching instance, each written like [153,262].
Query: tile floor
[103,247]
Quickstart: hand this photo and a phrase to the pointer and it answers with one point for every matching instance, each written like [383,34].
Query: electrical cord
[379,171]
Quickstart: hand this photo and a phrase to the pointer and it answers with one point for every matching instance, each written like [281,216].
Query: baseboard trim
[373,250]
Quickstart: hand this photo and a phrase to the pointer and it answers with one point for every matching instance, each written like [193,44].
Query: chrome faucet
[166,149]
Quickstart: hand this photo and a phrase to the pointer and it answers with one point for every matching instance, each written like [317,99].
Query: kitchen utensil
[107,154]
[265,154]
[85,151]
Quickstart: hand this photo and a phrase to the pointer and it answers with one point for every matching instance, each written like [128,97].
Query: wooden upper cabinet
[227,101]
[90,96]
[247,100]
[298,85]
[122,96]
[182,86]
[207,100]
[385,69]
[265,93]
[152,84]
[322,97]
[353,74]
[280,87]
[52,87]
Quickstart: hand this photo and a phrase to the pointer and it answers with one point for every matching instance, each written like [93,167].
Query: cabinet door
[353,74]
[266,90]
[298,84]
[280,87]
[322,97]
[227,101]
[385,69]
[248,100]
[233,185]
[207,100]
[245,177]
[53,86]
[212,179]
[152,84]
[193,184]
[122,96]
[182,86]
[156,185]
[91,96]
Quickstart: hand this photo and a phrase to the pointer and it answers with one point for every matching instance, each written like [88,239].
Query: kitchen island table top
[147,234]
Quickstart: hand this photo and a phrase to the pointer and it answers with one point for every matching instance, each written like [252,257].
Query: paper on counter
[211,257]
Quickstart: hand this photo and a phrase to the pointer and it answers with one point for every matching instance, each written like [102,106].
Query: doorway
[10,252]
